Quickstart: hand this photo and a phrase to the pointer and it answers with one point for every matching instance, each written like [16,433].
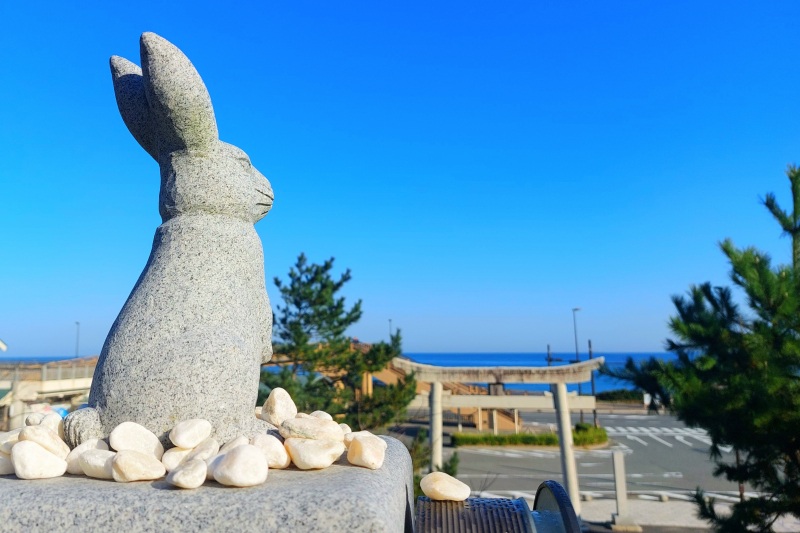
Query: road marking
[589,465]
[706,440]
[637,439]
[662,441]
[721,497]
[683,440]
[676,496]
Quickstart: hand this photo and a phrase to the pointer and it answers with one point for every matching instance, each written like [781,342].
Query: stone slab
[338,499]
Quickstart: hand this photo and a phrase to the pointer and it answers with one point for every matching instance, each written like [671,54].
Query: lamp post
[390,330]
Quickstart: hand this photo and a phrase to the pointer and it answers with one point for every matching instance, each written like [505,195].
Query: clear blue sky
[482,167]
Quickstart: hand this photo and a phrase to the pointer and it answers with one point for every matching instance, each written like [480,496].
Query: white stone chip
[313,454]
[8,440]
[190,433]
[173,457]
[311,428]
[73,459]
[348,437]
[32,461]
[345,430]
[130,465]
[46,438]
[278,407]
[97,463]
[55,423]
[6,466]
[367,450]
[441,486]
[273,449]
[322,415]
[189,474]
[234,443]
[205,450]
[243,466]
[132,436]
[34,419]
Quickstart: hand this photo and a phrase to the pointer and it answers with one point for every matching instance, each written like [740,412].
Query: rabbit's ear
[177,97]
[132,103]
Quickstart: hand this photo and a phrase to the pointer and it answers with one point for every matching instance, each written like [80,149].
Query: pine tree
[737,375]
[325,367]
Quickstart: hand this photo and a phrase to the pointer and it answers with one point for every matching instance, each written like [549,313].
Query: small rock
[97,463]
[313,454]
[130,465]
[8,440]
[190,433]
[205,450]
[278,407]
[273,449]
[345,430]
[234,443]
[348,437]
[322,415]
[32,461]
[189,474]
[132,436]
[73,459]
[367,450]
[174,457]
[243,466]
[441,486]
[311,428]
[34,419]
[55,423]
[6,466]
[303,415]
[46,438]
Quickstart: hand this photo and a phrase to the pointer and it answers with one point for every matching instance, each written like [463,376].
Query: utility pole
[594,411]
[577,356]
[390,330]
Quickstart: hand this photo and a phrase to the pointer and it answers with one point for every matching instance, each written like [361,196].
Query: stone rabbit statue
[190,339]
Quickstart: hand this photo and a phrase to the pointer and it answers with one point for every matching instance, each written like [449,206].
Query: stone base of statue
[342,498]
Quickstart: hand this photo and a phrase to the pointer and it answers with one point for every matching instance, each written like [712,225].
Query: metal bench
[552,513]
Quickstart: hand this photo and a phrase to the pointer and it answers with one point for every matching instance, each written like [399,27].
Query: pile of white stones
[133,453]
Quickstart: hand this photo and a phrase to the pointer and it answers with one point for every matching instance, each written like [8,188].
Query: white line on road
[683,440]
[662,441]
[637,439]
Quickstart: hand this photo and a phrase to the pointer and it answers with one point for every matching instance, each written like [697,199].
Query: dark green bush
[586,436]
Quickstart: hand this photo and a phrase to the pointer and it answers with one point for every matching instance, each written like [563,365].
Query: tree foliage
[325,368]
[737,375]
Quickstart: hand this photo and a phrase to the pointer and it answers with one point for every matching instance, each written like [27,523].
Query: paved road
[662,456]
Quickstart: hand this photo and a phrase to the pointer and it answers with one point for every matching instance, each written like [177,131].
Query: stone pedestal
[338,499]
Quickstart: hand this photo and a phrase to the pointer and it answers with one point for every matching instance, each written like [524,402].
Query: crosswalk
[663,436]
[651,495]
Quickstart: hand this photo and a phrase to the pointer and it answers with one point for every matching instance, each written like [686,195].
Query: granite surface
[338,499]
[190,339]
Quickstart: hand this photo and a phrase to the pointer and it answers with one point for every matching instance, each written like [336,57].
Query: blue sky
[482,168]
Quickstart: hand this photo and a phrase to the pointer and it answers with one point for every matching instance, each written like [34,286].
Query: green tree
[325,368]
[737,375]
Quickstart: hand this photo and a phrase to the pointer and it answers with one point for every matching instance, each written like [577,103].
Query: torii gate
[556,376]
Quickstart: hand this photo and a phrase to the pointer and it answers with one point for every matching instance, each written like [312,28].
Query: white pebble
[234,443]
[441,486]
[367,450]
[46,438]
[189,474]
[311,428]
[345,430]
[174,457]
[278,407]
[322,415]
[55,423]
[190,433]
[6,466]
[205,450]
[8,440]
[97,463]
[132,436]
[304,415]
[73,459]
[34,419]
[273,450]
[313,454]
[243,466]
[32,461]
[130,465]
[348,437]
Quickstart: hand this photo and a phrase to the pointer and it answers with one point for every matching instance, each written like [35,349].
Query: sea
[602,383]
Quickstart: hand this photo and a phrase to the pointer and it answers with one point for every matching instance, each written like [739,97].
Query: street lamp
[390,329]
[577,356]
